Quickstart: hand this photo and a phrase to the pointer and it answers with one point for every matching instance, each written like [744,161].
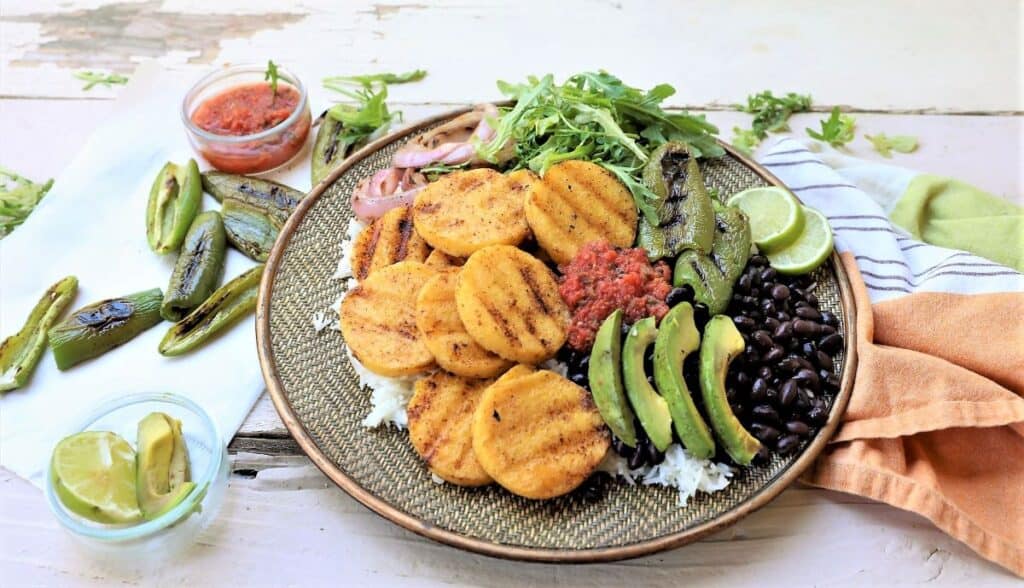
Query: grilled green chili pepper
[20,353]
[276,199]
[174,200]
[331,147]
[97,328]
[712,274]
[687,216]
[251,229]
[225,306]
[199,267]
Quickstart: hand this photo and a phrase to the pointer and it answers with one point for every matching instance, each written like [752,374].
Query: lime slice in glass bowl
[94,477]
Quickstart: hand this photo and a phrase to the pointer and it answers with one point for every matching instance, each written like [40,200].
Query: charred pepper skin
[251,229]
[277,200]
[330,148]
[97,328]
[174,200]
[20,353]
[199,268]
[223,308]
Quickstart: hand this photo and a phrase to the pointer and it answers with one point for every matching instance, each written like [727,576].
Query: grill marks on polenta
[578,202]
[538,435]
[388,240]
[509,303]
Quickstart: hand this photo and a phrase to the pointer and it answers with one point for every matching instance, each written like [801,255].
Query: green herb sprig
[596,117]
[18,197]
[371,114]
[271,75]
[885,145]
[836,130]
[93,78]
[771,115]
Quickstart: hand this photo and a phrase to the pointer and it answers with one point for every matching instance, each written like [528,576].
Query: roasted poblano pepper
[20,353]
[712,274]
[687,216]
[229,303]
[273,198]
[251,229]
[199,267]
[174,201]
[97,328]
[331,147]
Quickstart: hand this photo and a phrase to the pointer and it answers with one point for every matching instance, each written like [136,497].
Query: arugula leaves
[885,145]
[771,114]
[271,75]
[18,197]
[381,78]
[836,130]
[93,78]
[370,92]
[596,117]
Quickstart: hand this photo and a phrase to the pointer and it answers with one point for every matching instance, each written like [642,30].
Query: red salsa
[602,278]
[248,109]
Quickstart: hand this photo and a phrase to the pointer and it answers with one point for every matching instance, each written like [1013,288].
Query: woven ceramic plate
[316,393]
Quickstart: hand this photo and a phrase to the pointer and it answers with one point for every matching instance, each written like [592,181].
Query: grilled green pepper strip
[20,353]
[276,199]
[224,307]
[687,217]
[331,147]
[97,328]
[199,267]
[249,228]
[712,274]
[174,201]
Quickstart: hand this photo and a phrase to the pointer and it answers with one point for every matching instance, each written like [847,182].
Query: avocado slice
[650,407]
[162,472]
[711,274]
[677,338]
[605,374]
[722,342]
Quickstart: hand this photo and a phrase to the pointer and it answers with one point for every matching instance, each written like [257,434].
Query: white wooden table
[945,71]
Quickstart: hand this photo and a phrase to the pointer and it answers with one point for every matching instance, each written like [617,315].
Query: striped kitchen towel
[936,421]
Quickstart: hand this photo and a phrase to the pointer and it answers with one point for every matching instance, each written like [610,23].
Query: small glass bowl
[259,152]
[150,544]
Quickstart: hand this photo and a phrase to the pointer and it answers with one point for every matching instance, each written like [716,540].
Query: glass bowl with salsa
[240,124]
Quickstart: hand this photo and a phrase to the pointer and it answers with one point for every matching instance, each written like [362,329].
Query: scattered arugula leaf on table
[836,130]
[271,75]
[381,78]
[371,114]
[885,145]
[93,78]
[18,197]
[595,116]
[771,115]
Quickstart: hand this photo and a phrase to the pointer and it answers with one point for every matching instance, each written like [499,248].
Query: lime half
[94,477]
[776,218]
[809,251]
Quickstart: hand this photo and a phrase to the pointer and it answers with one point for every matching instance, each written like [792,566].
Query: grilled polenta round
[509,303]
[441,426]
[538,435]
[438,320]
[439,259]
[469,210]
[578,202]
[378,320]
[388,240]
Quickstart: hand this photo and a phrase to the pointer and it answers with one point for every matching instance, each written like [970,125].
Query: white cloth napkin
[92,225]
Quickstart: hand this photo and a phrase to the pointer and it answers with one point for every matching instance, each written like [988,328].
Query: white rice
[680,470]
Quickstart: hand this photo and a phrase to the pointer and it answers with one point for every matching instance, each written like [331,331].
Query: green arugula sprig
[271,75]
[885,145]
[771,115]
[596,117]
[94,78]
[371,115]
[836,130]
[18,197]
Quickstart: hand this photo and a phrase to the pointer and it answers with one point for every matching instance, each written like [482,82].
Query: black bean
[780,292]
[622,449]
[806,312]
[738,408]
[730,394]
[829,318]
[764,372]
[637,459]
[788,393]
[774,354]
[812,299]
[787,444]
[817,415]
[625,329]
[763,456]
[782,316]
[808,348]
[650,380]
[743,284]
[822,360]
[679,295]
[743,379]
[763,339]
[764,433]
[808,379]
[790,364]
[801,303]
[803,363]
[806,328]
[798,427]
[579,379]
[771,323]
[772,395]
[583,362]
[654,457]
[827,330]
[758,260]
[768,273]
[767,307]
[765,413]
[832,382]
[701,316]
[784,332]
[831,343]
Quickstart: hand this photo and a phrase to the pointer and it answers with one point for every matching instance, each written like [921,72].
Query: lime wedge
[776,218]
[809,251]
[94,477]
